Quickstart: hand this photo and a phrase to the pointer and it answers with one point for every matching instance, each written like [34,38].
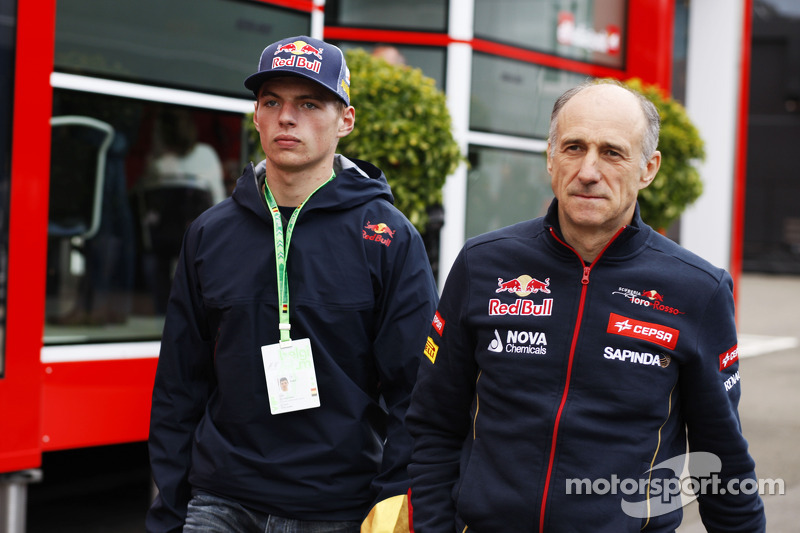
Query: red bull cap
[303,56]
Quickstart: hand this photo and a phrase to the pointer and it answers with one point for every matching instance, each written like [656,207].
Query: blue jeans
[212,514]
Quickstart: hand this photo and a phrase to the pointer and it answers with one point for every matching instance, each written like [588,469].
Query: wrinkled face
[595,166]
[300,123]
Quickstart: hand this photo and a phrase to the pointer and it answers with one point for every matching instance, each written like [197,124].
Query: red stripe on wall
[740,172]
[299,5]
[337,33]
[479,45]
[547,60]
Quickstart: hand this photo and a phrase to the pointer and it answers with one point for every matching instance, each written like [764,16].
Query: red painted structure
[48,406]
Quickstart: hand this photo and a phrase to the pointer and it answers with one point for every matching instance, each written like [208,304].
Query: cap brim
[255,81]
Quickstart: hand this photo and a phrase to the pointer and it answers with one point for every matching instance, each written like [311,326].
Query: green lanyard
[281,249]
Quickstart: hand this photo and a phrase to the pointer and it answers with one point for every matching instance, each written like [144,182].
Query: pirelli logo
[638,329]
[431,349]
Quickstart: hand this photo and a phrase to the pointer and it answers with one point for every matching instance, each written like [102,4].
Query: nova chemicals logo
[520,342]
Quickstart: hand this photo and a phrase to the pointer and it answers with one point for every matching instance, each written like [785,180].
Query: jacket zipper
[585,284]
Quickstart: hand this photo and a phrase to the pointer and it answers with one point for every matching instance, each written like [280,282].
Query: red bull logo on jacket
[521,308]
[298,49]
[380,233]
[523,285]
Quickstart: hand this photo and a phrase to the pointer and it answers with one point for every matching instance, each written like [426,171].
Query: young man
[306,273]
[571,355]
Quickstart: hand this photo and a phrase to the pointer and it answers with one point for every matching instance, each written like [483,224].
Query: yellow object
[388,516]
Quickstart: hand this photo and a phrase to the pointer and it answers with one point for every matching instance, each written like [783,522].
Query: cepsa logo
[637,329]
[380,233]
[522,286]
[438,323]
[728,358]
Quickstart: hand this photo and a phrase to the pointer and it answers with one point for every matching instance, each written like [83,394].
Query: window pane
[428,15]
[505,187]
[116,225]
[514,97]
[586,30]
[431,61]
[210,45]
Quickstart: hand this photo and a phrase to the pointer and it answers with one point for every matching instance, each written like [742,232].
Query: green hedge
[678,183]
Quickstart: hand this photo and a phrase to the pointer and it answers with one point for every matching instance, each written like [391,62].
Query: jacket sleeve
[439,417]
[710,391]
[405,308]
[184,380]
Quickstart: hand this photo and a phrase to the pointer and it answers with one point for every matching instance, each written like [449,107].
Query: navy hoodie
[361,290]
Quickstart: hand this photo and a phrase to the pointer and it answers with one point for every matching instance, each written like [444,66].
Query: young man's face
[595,169]
[300,123]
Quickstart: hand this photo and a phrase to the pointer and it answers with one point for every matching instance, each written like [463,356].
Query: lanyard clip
[286,340]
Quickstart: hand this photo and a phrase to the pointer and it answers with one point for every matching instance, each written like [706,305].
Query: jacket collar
[628,242]
[356,183]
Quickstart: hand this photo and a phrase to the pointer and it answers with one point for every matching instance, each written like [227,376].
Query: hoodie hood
[357,182]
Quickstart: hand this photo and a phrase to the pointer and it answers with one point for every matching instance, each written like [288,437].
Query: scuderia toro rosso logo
[522,286]
[650,299]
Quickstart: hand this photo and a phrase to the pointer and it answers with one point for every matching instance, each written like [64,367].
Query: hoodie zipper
[584,287]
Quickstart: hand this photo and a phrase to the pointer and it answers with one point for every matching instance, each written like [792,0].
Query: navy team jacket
[557,396]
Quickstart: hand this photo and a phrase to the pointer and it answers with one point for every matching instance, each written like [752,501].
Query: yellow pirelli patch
[431,349]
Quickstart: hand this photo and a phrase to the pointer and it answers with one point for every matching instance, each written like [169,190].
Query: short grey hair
[650,137]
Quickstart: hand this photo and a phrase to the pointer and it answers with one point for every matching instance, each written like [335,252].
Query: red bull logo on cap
[298,49]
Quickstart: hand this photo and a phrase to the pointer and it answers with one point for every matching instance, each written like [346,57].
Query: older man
[572,354]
